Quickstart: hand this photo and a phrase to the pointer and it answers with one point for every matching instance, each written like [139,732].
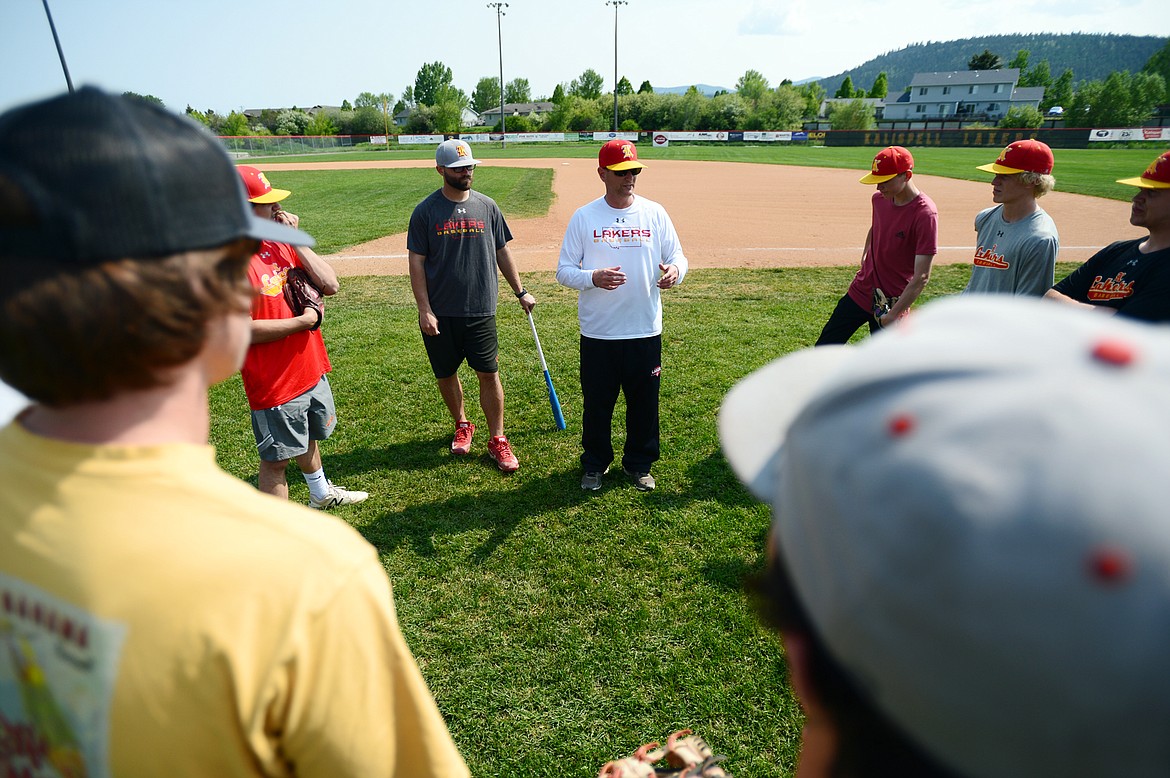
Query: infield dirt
[733,214]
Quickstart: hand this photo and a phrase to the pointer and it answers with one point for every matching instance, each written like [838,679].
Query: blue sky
[245,54]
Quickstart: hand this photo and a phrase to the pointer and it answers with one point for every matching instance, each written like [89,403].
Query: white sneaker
[337,496]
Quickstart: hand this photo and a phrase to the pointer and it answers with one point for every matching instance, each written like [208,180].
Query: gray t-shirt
[1014,257]
[460,241]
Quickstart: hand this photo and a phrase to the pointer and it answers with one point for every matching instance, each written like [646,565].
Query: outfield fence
[279,145]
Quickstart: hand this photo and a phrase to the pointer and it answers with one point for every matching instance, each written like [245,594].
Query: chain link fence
[243,146]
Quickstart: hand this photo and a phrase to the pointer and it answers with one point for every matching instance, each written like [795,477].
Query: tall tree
[236,124]
[587,85]
[1020,61]
[1121,100]
[846,89]
[148,98]
[1147,91]
[292,121]
[321,124]
[198,116]
[881,87]
[408,96]
[624,87]
[1060,93]
[558,95]
[486,94]
[368,121]
[645,88]
[813,95]
[518,91]
[431,78]
[448,108]
[985,61]
[751,86]
[367,100]
[1040,75]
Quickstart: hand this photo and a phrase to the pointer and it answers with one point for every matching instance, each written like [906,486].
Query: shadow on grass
[711,478]
[472,503]
[412,455]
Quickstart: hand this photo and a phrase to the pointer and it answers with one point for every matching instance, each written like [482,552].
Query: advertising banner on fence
[423,139]
[608,136]
[1133,133]
[379,140]
[767,137]
[515,137]
[719,136]
[1116,134]
[661,140]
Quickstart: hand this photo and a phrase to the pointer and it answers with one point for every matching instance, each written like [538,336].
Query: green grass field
[558,630]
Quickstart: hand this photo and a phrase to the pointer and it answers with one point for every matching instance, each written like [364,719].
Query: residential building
[962,95]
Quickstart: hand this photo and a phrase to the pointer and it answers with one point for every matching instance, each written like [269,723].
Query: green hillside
[1091,57]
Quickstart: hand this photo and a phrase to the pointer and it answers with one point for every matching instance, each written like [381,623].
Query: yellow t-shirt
[159,617]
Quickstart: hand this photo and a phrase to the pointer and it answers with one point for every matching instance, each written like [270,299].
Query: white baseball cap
[972,508]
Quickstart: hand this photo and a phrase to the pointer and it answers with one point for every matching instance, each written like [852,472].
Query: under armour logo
[900,234]
[1132,263]
[620,220]
[460,210]
[999,234]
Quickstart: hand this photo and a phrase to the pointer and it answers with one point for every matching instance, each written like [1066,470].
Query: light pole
[500,33]
[615,4]
[60,52]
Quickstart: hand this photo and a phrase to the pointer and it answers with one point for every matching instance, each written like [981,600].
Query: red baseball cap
[619,154]
[888,163]
[259,190]
[1157,175]
[1022,156]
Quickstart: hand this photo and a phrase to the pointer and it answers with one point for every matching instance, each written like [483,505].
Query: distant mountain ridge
[1091,56]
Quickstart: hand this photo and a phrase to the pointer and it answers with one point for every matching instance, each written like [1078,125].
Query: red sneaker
[464,431]
[500,450]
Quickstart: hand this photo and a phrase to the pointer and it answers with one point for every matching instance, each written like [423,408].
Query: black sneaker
[591,481]
[643,482]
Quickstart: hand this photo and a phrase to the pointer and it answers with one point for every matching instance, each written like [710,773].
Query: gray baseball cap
[972,509]
[454,153]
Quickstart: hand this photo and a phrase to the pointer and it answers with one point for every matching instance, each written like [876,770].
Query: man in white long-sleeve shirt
[620,251]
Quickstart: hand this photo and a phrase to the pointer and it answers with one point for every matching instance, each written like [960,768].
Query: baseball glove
[300,294]
[881,303]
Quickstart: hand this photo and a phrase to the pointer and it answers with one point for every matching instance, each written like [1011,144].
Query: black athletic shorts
[460,338]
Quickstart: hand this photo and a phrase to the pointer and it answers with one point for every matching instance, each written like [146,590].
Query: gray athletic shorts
[460,338]
[284,432]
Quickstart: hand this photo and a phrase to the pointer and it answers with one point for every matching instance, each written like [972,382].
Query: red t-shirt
[900,232]
[277,371]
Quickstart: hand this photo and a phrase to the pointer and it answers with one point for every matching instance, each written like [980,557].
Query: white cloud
[774,18]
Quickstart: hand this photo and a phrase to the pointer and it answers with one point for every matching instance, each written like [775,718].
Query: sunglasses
[623,173]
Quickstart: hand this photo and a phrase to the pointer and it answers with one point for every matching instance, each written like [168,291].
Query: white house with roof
[963,94]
